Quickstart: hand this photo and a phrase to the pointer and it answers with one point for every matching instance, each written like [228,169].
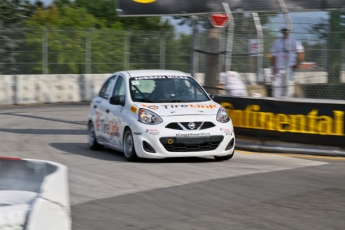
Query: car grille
[184,125]
[187,144]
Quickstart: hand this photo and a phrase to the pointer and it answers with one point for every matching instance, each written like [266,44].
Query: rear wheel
[128,146]
[92,139]
[224,158]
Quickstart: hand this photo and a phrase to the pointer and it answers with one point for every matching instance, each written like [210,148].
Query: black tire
[128,146]
[224,158]
[92,139]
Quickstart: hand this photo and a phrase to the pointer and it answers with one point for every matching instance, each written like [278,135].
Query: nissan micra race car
[159,114]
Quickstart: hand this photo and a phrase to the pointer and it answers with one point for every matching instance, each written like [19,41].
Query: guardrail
[34,195]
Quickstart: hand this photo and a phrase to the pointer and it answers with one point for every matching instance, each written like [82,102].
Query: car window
[105,91]
[120,89]
[157,89]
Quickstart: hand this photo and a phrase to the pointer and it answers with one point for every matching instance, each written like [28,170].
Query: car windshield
[160,89]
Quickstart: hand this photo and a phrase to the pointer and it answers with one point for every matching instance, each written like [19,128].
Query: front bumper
[161,142]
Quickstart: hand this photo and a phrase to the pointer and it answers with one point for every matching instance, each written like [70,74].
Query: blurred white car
[159,114]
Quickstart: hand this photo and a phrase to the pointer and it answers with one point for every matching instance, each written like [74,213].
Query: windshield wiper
[175,101]
[144,100]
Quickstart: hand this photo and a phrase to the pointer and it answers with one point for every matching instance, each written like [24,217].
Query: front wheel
[224,158]
[92,139]
[128,146]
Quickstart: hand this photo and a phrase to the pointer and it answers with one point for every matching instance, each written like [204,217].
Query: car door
[115,115]
[101,106]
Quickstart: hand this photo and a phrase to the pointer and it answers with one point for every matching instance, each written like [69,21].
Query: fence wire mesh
[50,50]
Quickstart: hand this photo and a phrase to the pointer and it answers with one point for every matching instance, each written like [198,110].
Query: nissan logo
[191,125]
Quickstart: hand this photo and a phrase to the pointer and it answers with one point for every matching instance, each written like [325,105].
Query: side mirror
[117,100]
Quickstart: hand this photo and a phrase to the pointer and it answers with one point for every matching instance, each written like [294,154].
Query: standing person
[287,54]
[233,84]
[222,78]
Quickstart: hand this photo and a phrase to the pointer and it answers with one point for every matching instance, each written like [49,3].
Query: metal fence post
[45,50]
[260,37]
[127,51]
[88,52]
[193,58]
[230,38]
[162,50]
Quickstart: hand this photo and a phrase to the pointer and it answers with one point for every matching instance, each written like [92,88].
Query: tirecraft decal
[154,107]
[174,106]
[192,106]
[310,123]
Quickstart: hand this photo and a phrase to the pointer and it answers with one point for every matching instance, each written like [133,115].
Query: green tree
[65,29]
[334,33]
[13,13]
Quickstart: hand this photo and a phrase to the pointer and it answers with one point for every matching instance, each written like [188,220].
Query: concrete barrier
[7,90]
[30,89]
[34,195]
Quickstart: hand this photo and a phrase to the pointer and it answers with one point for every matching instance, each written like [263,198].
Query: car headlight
[222,115]
[149,118]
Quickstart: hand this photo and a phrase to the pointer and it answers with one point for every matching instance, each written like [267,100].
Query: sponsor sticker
[152,131]
[190,106]
[192,134]
[137,133]
[154,107]
[225,130]
[134,109]
[144,1]
[160,77]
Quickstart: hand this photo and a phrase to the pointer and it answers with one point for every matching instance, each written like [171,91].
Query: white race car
[159,114]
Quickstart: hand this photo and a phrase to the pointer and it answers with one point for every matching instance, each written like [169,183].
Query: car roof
[154,72]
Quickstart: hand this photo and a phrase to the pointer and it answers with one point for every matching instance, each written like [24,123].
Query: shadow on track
[45,118]
[47,131]
[112,155]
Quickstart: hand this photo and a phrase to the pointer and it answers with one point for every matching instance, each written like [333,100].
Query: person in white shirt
[233,84]
[287,54]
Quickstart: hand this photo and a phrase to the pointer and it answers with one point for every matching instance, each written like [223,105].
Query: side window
[120,89]
[107,87]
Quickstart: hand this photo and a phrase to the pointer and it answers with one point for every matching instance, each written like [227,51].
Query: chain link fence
[50,50]
[322,73]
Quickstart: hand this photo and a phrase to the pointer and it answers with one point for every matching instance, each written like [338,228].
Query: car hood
[177,109]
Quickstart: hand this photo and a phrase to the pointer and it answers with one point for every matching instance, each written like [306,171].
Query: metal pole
[287,45]
[88,52]
[230,39]
[162,50]
[194,20]
[260,37]
[44,51]
[127,51]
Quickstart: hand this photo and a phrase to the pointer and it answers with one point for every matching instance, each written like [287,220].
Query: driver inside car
[164,90]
